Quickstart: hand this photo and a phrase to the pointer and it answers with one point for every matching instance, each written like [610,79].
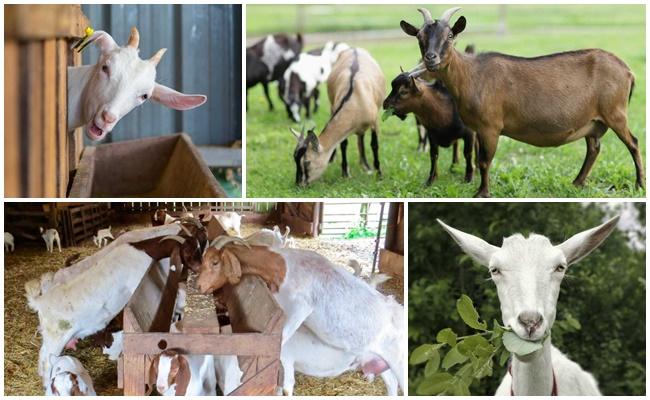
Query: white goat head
[122,81]
[528,272]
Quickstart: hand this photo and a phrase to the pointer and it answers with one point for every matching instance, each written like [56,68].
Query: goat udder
[374,366]
[72,344]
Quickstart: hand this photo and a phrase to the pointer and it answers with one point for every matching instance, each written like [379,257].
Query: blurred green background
[518,170]
[605,292]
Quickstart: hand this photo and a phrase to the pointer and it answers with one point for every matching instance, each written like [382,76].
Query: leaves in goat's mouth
[387,113]
[519,346]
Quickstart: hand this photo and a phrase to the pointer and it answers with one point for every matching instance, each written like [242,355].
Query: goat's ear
[176,100]
[477,248]
[459,26]
[581,244]
[408,28]
[313,141]
[183,376]
[104,41]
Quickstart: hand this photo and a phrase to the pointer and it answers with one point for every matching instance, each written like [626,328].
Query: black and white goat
[267,59]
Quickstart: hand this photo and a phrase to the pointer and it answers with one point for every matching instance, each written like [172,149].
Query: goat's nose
[430,56]
[530,319]
[108,117]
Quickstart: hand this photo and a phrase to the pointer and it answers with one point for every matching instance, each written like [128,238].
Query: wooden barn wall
[203,57]
[39,152]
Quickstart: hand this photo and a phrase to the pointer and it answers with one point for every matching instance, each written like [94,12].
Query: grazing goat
[68,378]
[544,101]
[305,353]
[435,109]
[517,266]
[355,89]
[267,59]
[230,221]
[300,82]
[339,308]
[101,239]
[50,236]
[9,242]
[82,299]
[99,95]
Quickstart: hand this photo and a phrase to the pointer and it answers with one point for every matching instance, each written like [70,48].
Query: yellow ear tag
[81,44]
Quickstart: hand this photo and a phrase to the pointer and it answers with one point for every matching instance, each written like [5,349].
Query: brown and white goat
[545,101]
[355,89]
[435,109]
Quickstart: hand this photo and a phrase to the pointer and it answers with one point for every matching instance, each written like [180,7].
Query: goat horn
[401,69]
[134,39]
[155,59]
[446,16]
[426,15]
[297,134]
[190,220]
[177,238]
[186,230]
[221,241]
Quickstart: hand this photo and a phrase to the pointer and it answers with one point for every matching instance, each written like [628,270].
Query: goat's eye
[450,36]
[105,69]
[495,271]
[560,268]
[144,97]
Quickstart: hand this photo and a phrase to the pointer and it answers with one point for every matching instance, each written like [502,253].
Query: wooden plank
[391,263]
[134,374]
[243,344]
[82,185]
[34,130]
[120,372]
[12,134]
[251,306]
[44,21]
[62,167]
[49,118]
[264,383]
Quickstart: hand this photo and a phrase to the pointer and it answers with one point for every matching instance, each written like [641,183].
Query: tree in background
[601,309]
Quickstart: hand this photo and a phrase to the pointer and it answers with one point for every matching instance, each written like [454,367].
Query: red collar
[553,391]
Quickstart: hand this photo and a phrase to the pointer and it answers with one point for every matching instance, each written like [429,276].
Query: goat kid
[99,95]
[9,242]
[50,236]
[355,89]
[544,101]
[435,109]
[267,59]
[300,82]
[230,221]
[533,262]
[101,239]
[69,378]
[357,320]
[179,374]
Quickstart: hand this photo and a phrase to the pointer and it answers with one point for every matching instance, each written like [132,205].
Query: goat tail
[629,97]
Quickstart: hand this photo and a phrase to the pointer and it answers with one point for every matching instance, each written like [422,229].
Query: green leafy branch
[454,362]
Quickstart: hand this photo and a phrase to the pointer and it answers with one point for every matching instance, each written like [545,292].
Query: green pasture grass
[518,169]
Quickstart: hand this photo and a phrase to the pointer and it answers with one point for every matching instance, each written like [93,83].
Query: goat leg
[316,96]
[374,144]
[468,149]
[362,153]
[487,147]
[344,158]
[455,153]
[265,85]
[433,156]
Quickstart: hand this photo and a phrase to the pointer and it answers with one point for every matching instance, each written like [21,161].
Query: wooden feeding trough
[165,166]
[254,333]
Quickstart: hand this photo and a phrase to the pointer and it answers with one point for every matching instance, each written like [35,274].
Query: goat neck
[458,75]
[78,78]
[532,375]
[260,261]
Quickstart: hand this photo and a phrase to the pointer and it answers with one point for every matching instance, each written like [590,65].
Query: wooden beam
[44,21]
[243,344]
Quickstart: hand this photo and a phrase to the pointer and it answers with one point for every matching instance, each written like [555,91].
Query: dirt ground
[22,341]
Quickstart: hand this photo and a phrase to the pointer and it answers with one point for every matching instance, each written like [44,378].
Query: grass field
[518,169]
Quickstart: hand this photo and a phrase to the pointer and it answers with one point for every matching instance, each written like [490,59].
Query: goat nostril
[530,319]
[108,117]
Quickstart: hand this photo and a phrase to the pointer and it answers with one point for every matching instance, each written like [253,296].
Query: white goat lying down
[517,267]
[9,242]
[68,378]
[230,221]
[99,95]
[269,238]
[101,239]
[49,237]
[339,308]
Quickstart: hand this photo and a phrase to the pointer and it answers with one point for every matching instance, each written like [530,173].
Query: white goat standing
[50,236]
[9,242]
[527,273]
[69,378]
[99,95]
[101,239]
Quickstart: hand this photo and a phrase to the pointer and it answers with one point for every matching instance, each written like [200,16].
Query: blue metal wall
[204,46]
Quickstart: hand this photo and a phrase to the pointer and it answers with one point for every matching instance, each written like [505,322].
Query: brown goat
[355,88]
[545,101]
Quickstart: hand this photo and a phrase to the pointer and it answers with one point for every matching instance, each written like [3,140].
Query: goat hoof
[468,178]
[640,185]
[579,182]
[482,194]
